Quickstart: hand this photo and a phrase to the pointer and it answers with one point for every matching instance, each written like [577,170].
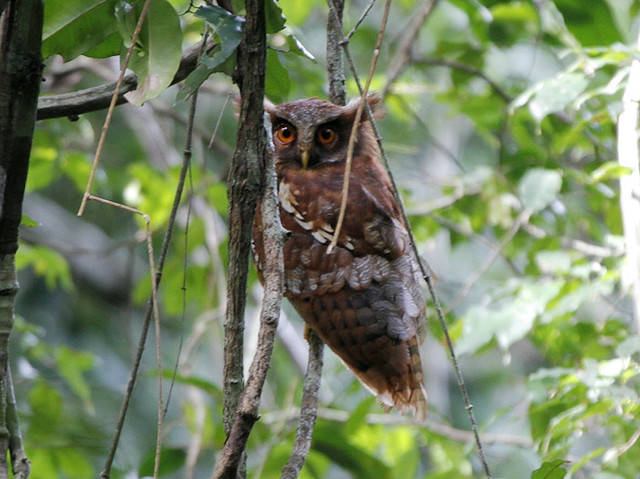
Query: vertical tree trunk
[245,188]
[20,76]
[629,157]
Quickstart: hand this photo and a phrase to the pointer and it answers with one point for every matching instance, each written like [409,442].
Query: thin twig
[308,408]
[445,430]
[156,317]
[365,12]
[133,375]
[356,125]
[427,276]
[409,34]
[112,105]
[20,464]
[186,156]
[522,219]
[466,69]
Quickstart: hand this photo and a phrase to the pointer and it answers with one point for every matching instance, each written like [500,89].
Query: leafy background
[501,132]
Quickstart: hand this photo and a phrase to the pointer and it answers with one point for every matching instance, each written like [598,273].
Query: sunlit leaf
[539,187]
[556,94]
[73,27]
[591,25]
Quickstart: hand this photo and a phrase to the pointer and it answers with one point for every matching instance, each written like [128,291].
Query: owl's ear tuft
[373,99]
[269,107]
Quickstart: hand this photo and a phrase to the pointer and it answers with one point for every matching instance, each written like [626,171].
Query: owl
[365,297]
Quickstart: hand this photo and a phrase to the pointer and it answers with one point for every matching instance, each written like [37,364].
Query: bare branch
[356,124]
[308,409]
[401,57]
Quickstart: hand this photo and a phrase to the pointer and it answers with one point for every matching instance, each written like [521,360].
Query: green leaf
[158,52]
[591,23]
[273,16]
[73,27]
[277,82]
[556,94]
[330,440]
[550,470]
[49,264]
[539,187]
[72,366]
[509,322]
[610,170]
[228,30]
[28,222]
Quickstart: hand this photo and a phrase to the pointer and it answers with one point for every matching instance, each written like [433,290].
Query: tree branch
[628,156]
[245,187]
[20,78]
[98,98]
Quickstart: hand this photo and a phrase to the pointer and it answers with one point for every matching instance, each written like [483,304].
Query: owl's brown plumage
[365,298]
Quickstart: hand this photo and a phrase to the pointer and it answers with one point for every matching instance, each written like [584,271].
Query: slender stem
[425,273]
[133,375]
[356,125]
[112,105]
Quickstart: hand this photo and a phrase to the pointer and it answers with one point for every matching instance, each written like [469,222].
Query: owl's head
[313,132]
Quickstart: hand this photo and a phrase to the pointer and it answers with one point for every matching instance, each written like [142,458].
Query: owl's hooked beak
[304,157]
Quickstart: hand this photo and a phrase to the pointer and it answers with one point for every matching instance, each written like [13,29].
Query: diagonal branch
[98,98]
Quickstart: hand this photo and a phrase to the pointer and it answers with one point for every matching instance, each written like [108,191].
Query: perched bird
[365,297]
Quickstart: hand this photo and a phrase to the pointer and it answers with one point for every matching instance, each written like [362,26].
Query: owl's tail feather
[406,392]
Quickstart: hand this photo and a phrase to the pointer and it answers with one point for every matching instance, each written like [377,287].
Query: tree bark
[245,188]
[20,77]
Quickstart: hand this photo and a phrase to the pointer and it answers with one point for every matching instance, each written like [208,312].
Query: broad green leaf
[591,23]
[273,16]
[556,94]
[73,27]
[330,440]
[277,83]
[550,470]
[539,187]
[228,31]
[157,54]
[509,322]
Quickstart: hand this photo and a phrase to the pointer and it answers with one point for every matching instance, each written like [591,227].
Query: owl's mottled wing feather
[364,298]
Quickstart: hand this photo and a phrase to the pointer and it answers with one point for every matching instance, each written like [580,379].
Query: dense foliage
[500,128]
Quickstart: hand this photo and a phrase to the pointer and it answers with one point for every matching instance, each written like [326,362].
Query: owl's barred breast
[364,297]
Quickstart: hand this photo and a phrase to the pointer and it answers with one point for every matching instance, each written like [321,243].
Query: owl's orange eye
[286,134]
[326,135]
